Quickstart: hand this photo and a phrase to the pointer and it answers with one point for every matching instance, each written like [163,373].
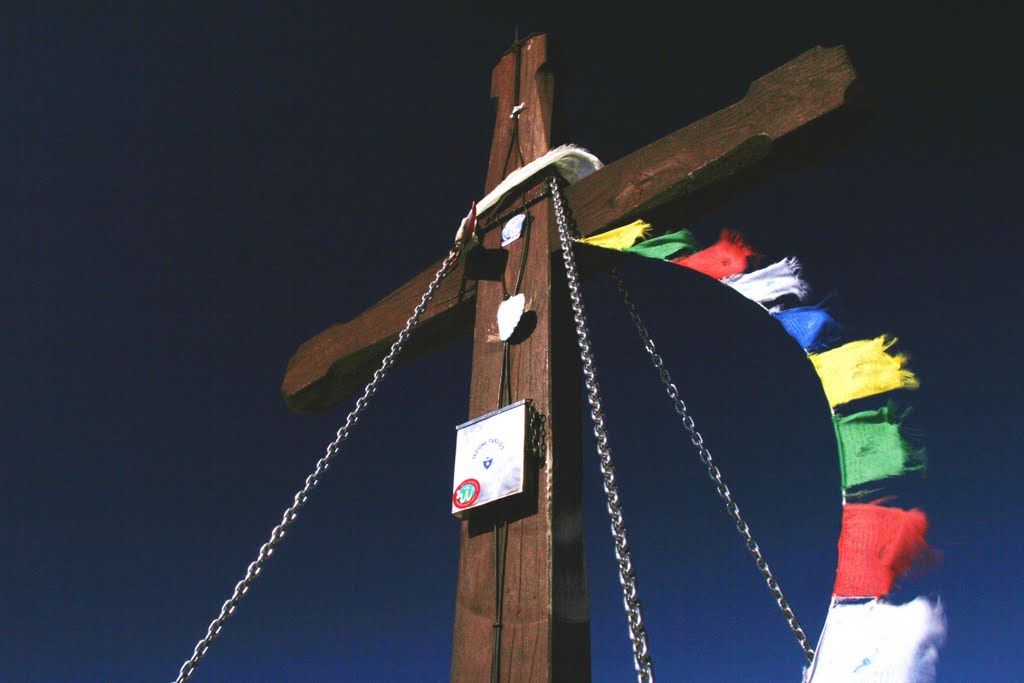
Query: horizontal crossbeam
[800,111]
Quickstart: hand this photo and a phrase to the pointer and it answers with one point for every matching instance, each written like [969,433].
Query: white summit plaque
[490,455]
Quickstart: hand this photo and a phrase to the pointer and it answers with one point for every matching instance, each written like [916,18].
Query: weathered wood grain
[545,635]
[338,362]
[815,97]
[800,111]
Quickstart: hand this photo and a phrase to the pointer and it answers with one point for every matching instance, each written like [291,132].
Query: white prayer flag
[878,642]
[771,283]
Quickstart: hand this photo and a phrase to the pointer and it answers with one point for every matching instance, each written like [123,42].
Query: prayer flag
[872,448]
[877,545]
[728,256]
[620,238]
[812,326]
[772,282]
[666,245]
[877,641]
[861,368]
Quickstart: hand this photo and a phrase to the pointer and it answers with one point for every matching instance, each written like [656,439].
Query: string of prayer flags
[878,641]
[861,368]
[862,641]
[877,545]
[872,448]
[620,238]
[865,638]
[772,282]
[728,256]
[813,327]
[664,246]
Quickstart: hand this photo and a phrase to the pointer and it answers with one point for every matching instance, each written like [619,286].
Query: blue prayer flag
[812,326]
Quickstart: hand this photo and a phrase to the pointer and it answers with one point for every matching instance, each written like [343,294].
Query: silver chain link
[242,587]
[716,476]
[627,575]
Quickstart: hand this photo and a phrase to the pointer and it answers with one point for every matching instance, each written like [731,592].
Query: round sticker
[513,229]
[466,493]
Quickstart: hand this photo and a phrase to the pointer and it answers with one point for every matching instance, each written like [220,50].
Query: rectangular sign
[490,458]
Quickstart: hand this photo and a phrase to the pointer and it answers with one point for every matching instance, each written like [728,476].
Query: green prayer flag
[666,245]
[872,448]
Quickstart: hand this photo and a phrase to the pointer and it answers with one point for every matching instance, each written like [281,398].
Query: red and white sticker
[466,494]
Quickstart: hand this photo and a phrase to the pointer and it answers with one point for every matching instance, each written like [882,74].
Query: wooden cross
[796,113]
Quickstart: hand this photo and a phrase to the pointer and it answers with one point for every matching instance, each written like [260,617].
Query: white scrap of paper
[510,312]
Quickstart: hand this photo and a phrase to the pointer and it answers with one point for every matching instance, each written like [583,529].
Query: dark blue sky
[188,195]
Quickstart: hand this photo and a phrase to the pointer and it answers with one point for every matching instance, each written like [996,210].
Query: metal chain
[627,575]
[713,472]
[254,568]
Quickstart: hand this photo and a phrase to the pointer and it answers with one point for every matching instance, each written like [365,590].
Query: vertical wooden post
[546,625]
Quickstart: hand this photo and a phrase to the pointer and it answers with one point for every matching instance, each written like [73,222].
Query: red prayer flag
[728,256]
[877,546]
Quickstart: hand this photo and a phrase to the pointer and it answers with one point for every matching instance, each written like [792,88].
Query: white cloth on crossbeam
[571,162]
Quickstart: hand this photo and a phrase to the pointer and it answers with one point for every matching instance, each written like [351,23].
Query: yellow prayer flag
[861,368]
[620,238]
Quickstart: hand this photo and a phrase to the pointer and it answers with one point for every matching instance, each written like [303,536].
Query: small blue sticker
[513,229]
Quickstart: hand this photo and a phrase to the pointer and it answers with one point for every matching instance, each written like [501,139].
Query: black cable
[525,252]
[500,553]
[505,387]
